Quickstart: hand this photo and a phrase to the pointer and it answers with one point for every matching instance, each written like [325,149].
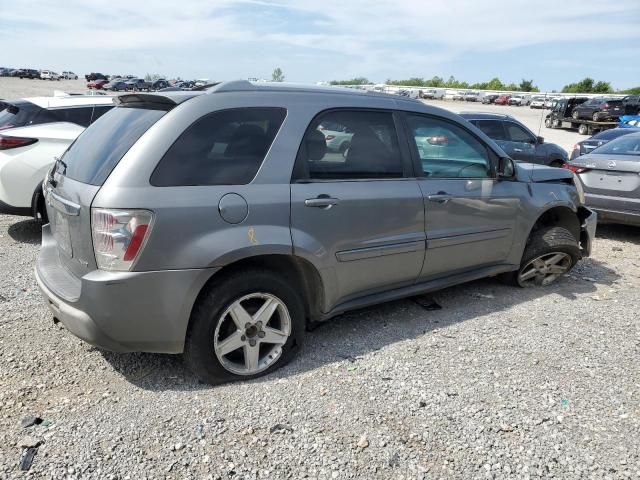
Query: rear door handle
[322,202]
[439,198]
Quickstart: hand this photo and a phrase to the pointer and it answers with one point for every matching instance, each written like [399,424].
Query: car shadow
[622,233]
[26,231]
[352,335]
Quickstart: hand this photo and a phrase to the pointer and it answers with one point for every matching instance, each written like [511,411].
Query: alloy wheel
[544,269]
[251,332]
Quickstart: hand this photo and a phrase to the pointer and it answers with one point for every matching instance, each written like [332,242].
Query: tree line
[587,85]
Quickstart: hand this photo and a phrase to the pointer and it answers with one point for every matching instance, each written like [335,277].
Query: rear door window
[222,148]
[517,134]
[97,151]
[78,115]
[346,145]
[492,129]
[100,110]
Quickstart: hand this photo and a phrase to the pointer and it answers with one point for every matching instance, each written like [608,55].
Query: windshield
[96,152]
[627,145]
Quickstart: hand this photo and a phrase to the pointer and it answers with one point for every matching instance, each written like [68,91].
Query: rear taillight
[574,169]
[604,106]
[7,142]
[119,236]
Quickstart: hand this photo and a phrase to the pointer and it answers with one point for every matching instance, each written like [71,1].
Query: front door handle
[439,198]
[321,201]
[518,150]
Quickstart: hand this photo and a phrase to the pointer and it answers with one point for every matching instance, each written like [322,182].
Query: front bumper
[120,311]
[589,220]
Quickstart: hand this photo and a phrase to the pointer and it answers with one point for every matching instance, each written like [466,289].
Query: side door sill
[416,289]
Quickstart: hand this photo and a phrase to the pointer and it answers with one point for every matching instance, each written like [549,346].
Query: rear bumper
[587,230]
[121,311]
[624,217]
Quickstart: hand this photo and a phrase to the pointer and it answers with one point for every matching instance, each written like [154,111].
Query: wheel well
[38,205]
[296,270]
[559,217]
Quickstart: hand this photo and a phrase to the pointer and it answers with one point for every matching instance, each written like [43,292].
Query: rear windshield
[18,115]
[96,152]
[611,134]
[627,145]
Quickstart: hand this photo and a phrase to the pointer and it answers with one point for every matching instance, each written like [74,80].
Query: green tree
[602,87]
[512,87]
[527,86]
[353,81]
[277,75]
[495,84]
[632,91]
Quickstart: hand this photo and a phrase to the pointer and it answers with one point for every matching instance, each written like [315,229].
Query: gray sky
[551,42]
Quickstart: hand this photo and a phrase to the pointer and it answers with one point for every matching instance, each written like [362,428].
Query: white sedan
[33,131]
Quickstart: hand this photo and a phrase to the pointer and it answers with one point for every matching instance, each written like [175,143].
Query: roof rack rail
[229,86]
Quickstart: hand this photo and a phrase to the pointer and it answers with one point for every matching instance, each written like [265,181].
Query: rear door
[357,214]
[470,214]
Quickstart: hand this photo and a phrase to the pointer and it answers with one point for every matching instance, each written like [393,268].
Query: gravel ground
[499,383]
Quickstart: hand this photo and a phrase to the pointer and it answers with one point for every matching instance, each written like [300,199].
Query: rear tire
[550,253]
[212,324]
[575,115]
[583,129]
[596,117]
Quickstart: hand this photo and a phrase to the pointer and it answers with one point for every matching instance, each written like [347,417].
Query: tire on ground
[543,241]
[199,353]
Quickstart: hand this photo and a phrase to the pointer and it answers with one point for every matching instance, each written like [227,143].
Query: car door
[470,214]
[357,215]
[522,143]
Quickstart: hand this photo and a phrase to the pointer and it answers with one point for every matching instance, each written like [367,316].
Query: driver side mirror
[506,168]
[539,140]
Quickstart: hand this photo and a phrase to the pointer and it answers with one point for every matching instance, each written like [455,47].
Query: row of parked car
[32,74]
[119,83]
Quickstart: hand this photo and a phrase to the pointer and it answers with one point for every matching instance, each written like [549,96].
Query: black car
[29,73]
[599,109]
[95,76]
[158,84]
[631,104]
[588,145]
[487,99]
[517,140]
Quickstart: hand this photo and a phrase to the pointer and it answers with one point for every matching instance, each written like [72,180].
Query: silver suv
[220,223]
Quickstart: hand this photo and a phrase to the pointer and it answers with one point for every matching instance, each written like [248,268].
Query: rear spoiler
[154,101]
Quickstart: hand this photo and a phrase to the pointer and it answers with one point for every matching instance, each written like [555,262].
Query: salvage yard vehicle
[563,114]
[489,98]
[33,131]
[69,75]
[29,73]
[49,75]
[97,84]
[516,139]
[502,100]
[537,102]
[517,100]
[599,109]
[138,84]
[600,138]
[217,222]
[610,175]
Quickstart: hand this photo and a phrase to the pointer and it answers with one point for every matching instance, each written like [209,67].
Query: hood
[540,173]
